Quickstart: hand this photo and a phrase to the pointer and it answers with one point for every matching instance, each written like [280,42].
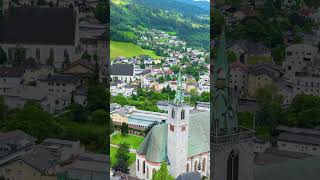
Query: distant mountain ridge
[203,4]
[185,7]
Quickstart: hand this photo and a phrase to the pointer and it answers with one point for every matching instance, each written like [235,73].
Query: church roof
[39,26]
[154,146]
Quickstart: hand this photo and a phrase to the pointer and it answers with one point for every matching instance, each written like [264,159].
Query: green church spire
[179,97]
[224,117]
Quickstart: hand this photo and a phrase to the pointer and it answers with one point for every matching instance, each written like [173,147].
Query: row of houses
[53,91]
[22,158]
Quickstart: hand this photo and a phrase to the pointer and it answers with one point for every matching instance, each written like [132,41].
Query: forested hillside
[189,22]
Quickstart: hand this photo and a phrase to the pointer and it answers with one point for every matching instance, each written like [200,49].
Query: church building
[183,142]
[232,150]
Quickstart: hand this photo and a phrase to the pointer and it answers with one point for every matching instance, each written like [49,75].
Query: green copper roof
[224,116]
[199,133]
[154,145]
[179,97]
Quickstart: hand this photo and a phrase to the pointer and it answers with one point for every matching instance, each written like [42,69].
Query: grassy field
[113,152]
[126,49]
[133,141]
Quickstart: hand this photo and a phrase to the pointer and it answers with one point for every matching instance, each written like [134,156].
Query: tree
[124,129]
[232,57]
[66,61]
[33,120]
[162,173]
[175,68]
[3,56]
[99,116]
[122,158]
[77,112]
[102,12]
[97,96]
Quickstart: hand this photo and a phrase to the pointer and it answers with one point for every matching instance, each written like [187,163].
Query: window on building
[173,113]
[138,168]
[171,128]
[289,68]
[232,166]
[144,167]
[182,114]
[204,164]
[38,54]
[195,168]
[183,129]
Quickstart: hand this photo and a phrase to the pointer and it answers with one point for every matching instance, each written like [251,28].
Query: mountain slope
[185,7]
[142,14]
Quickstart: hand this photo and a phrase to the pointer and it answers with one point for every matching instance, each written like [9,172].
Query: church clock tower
[178,128]
[232,156]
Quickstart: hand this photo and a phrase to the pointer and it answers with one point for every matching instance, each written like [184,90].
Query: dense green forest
[192,26]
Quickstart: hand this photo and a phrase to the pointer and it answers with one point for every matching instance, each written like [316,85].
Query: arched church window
[147,172]
[138,165]
[204,164]
[195,166]
[144,167]
[182,114]
[173,113]
[188,167]
[233,166]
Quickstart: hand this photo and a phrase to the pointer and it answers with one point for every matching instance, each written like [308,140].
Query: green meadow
[126,49]
[113,152]
[133,140]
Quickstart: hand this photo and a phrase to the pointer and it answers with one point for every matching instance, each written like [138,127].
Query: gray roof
[301,138]
[14,141]
[91,162]
[41,159]
[189,176]
[60,78]
[39,26]
[293,169]
[122,69]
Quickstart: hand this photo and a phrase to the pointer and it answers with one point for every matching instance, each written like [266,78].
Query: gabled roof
[50,26]
[122,69]
[154,146]
[82,62]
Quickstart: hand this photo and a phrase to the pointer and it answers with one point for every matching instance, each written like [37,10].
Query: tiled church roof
[154,146]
